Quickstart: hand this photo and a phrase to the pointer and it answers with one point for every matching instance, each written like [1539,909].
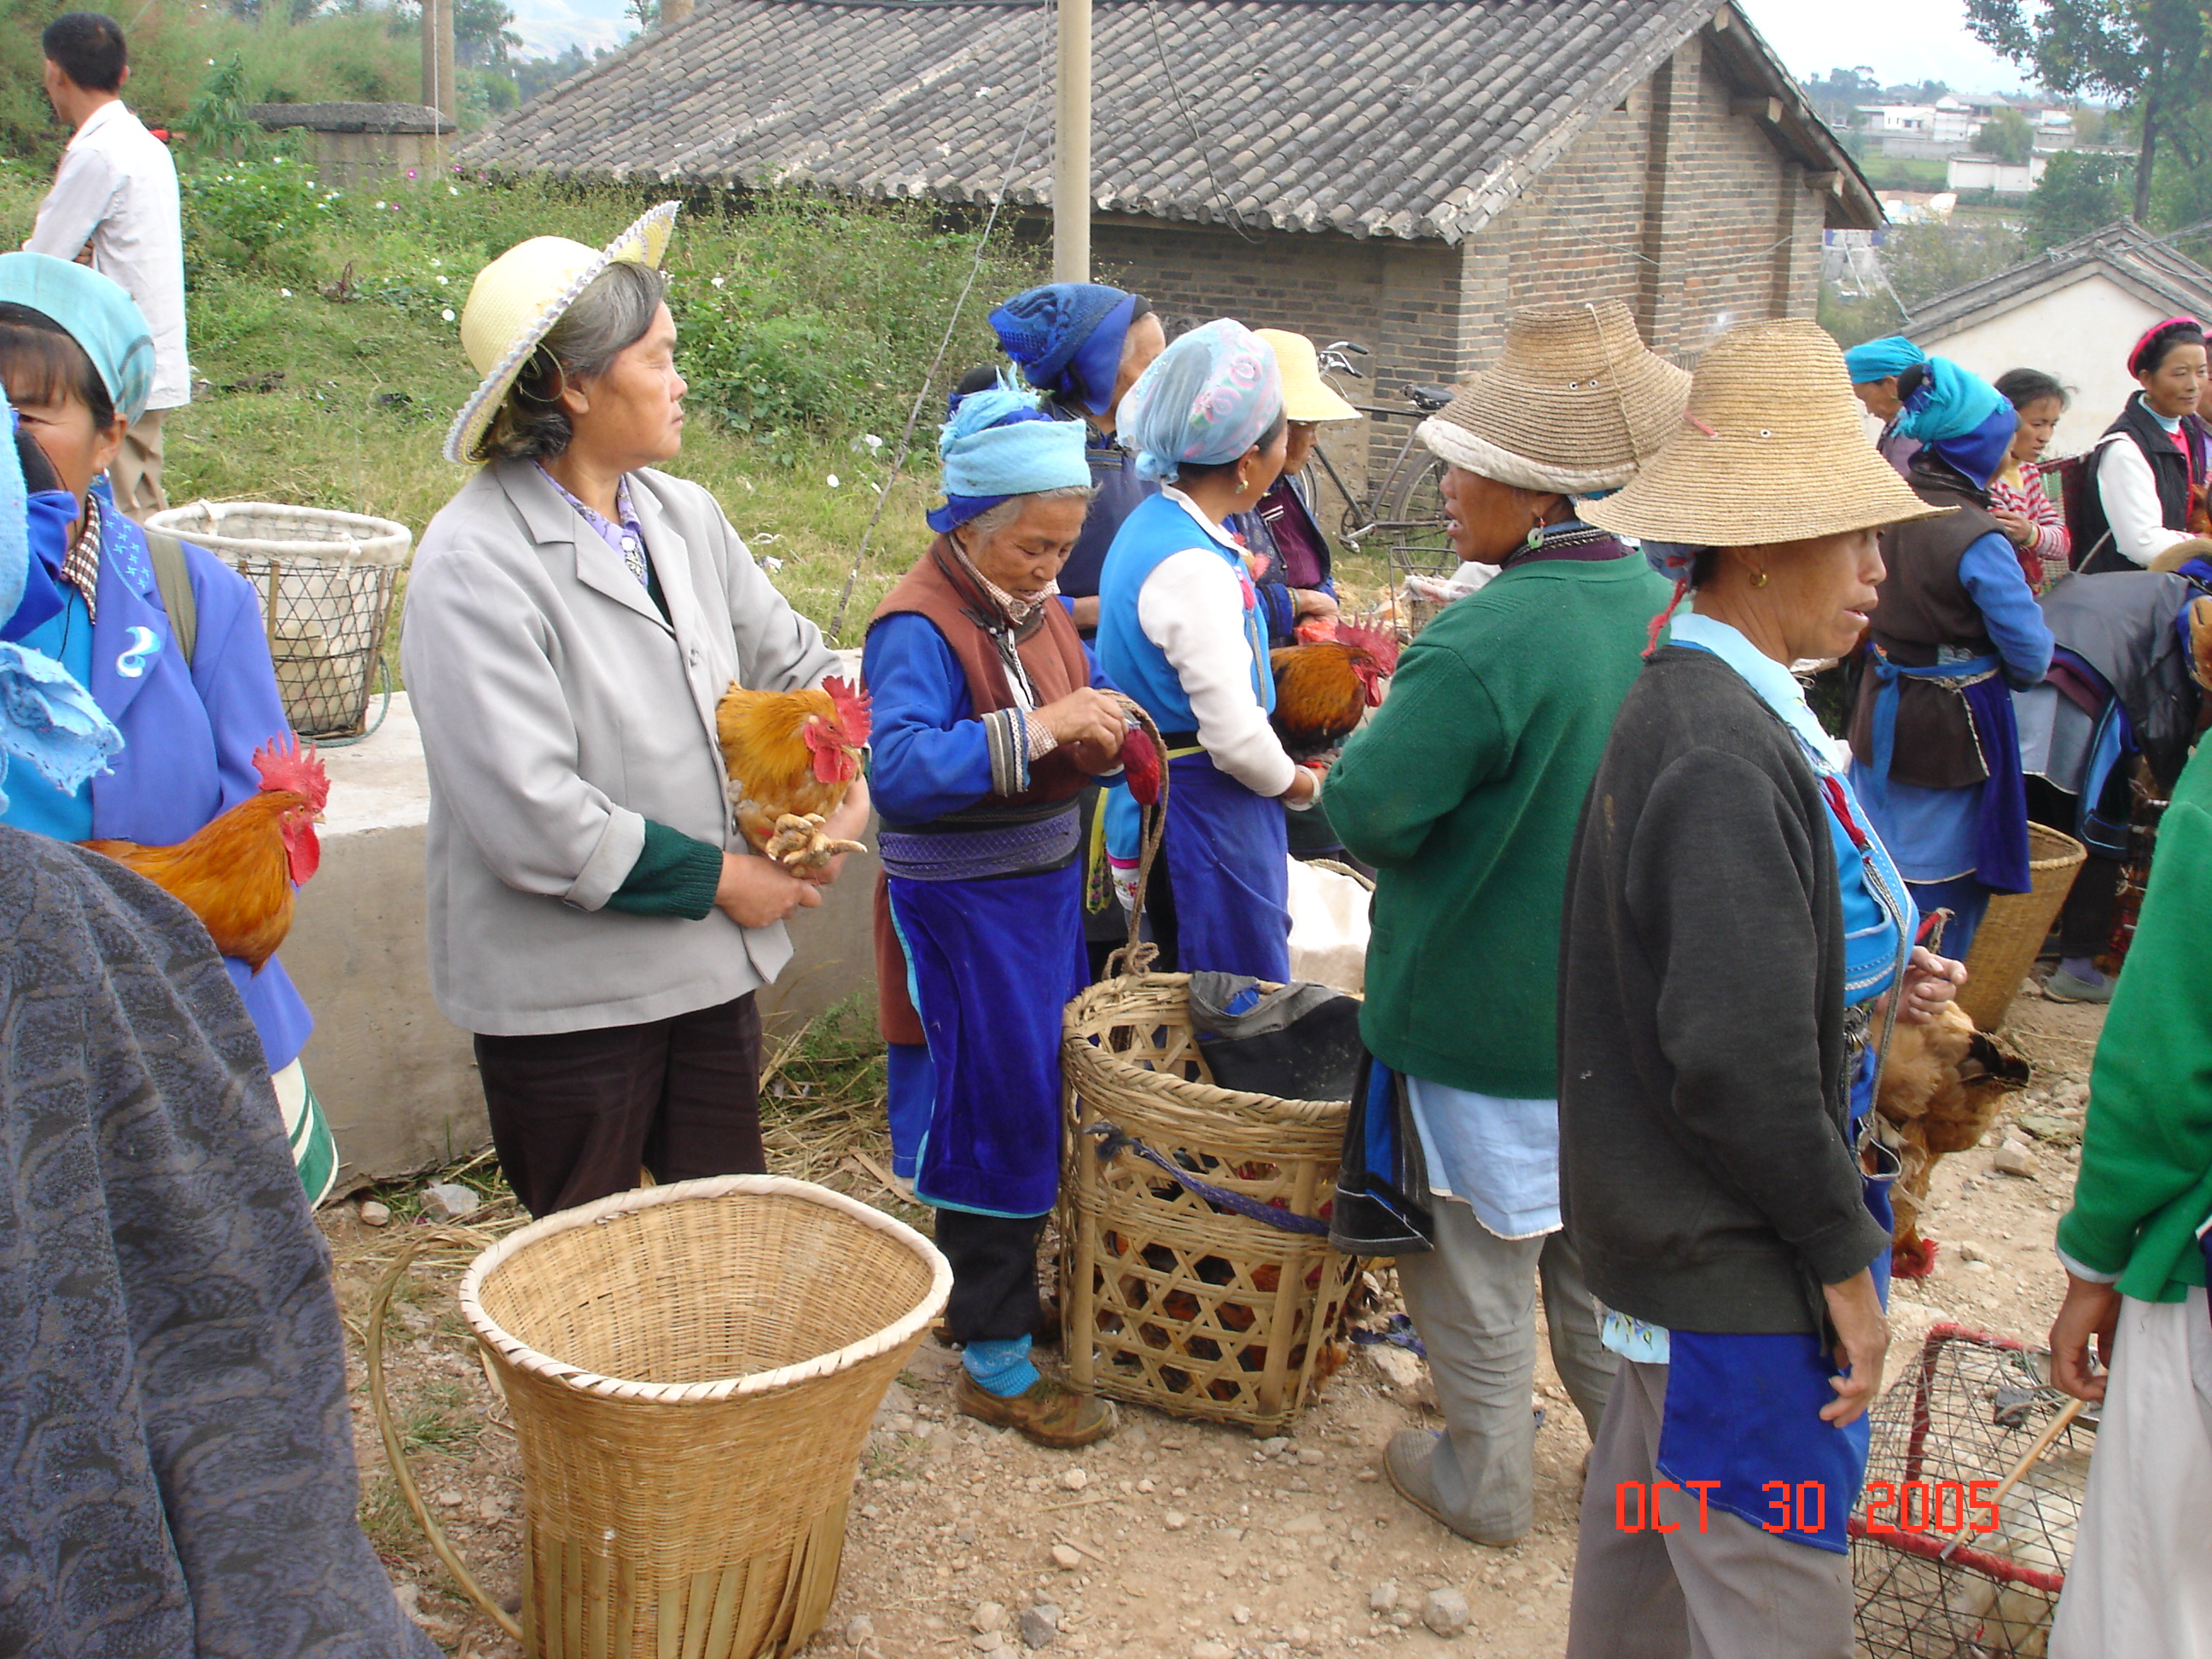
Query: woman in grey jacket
[572,618]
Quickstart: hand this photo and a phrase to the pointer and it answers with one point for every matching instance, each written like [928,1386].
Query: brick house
[1400,173]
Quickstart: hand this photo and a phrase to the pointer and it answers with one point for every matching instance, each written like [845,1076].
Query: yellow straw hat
[517,297]
[1573,404]
[1306,395]
[1771,448]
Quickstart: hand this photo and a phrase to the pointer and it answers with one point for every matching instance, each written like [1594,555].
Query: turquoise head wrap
[1877,360]
[1205,399]
[95,312]
[1000,443]
[1966,422]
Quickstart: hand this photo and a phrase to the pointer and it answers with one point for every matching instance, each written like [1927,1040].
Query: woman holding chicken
[1179,630]
[574,620]
[990,718]
[167,637]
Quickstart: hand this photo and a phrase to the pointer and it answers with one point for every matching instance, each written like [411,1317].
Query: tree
[2007,137]
[1835,98]
[2079,192]
[2151,54]
[483,35]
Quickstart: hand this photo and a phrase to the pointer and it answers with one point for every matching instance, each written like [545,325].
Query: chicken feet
[798,844]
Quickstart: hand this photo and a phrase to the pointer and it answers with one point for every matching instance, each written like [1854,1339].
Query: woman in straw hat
[1293,576]
[1935,746]
[1179,630]
[1735,944]
[572,618]
[1462,791]
[990,718]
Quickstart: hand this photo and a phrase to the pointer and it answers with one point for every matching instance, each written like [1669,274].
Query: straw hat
[1573,403]
[1770,449]
[1306,395]
[517,297]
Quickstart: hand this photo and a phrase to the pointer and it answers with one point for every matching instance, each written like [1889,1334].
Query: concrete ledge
[351,118]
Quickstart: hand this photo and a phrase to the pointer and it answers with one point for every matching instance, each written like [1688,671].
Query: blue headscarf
[96,313]
[1877,360]
[46,717]
[1961,419]
[1000,443]
[1068,338]
[1205,399]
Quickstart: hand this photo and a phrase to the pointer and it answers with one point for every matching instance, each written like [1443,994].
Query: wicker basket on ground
[2013,930]
[1197,1275]
[325,580]
[692,1369]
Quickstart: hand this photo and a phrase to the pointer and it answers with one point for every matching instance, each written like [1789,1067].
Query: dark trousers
[2084,924]
[994,1284]
[575,1114]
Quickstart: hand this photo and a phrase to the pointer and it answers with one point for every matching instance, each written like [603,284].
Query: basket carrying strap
[173,579]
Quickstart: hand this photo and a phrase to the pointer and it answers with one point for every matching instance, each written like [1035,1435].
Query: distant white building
[1987,172]
[2073,313]
[1947,121]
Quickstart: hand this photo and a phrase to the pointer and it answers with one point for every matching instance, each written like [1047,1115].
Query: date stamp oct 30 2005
[1943,1507]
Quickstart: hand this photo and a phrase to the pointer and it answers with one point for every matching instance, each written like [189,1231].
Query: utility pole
[1071,146]
[438,90]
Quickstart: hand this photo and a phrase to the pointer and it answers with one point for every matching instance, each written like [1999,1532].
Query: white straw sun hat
[517,297]
[1575,403]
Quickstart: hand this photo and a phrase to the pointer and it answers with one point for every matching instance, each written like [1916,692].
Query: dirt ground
[1184,1539]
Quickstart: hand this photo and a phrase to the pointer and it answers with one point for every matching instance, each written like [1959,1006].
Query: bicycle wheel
[1414,518]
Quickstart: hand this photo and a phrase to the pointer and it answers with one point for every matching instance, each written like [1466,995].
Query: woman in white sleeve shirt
[1179,630]
[2152,463]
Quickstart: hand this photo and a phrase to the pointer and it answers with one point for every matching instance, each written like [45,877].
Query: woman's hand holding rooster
[1930,982]
[757,892]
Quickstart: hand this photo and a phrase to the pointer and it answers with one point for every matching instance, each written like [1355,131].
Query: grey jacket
[559,712]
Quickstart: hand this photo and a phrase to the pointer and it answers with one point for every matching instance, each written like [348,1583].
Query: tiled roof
[1415,118]
[2123,250]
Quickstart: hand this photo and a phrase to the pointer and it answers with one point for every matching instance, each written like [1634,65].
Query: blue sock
[1001,1368]
[2083,968]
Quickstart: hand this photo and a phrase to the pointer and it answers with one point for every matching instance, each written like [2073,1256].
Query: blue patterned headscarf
[95,312]
[1205,399]
[46,717]
[1068,338]
[1963,420]
[1000,443]
[1877,360]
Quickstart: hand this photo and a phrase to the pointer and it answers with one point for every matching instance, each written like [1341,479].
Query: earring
[1536,538]
[1759,578]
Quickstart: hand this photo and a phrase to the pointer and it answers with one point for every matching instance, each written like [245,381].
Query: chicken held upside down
[239,872]
[791,757]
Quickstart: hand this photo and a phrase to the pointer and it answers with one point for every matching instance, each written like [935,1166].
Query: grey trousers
[1473,1300]
[1728,1589]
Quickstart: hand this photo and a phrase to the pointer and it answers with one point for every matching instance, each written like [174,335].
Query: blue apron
[2001,826]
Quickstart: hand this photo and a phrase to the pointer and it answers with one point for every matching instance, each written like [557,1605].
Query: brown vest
[1925,604]
[1051,653]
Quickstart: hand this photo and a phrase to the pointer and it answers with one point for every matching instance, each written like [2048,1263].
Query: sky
[1899,40]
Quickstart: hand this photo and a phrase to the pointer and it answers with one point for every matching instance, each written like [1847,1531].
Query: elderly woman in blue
[990,718]
[1179,630]
[1736,946]
[77,358]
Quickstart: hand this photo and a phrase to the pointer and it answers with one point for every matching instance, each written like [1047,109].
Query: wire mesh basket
[1974,1484]
[325,580]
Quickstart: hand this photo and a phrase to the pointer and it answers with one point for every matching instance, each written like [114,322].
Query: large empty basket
[692,1369]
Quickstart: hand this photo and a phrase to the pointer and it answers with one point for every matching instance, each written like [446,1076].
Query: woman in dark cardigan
[1732,939]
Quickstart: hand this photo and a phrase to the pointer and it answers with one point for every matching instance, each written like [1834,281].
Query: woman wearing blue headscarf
[77,361]
[990,718]
[1935,749]
[1877,369]
[1179,630]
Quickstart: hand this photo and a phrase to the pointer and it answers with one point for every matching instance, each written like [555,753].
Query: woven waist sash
[1008,849]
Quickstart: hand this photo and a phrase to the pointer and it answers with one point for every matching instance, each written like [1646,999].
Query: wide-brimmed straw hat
[1573,404]
[1306,395]
[1771,448]
[517,297]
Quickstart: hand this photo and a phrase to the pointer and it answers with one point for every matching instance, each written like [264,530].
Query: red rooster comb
[283,764]
[1378,642]
[1141,766]
[852,705]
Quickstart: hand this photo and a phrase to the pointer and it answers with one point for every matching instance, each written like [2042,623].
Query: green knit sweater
[2145,1185]
[1463,792]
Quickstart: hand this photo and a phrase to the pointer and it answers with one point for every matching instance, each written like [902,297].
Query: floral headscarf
[1206,399]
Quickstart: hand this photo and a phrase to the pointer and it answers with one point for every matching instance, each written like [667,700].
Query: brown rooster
[791,755]
[1941,1086]
[238,872]
[1324,689]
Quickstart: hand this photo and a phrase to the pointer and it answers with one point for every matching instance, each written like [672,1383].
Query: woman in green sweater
[2134,1248]
[1462,793]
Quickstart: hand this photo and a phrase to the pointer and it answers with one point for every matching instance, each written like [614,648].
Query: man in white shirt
[115,195]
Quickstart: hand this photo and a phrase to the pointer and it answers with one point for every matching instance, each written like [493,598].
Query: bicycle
[1408,509]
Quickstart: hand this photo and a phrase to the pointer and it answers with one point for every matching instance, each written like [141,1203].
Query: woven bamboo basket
[692,1369]
[326,579]
[1170,1298]
[2016,925]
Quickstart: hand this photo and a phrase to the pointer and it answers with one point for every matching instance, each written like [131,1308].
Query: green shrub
[237,213]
